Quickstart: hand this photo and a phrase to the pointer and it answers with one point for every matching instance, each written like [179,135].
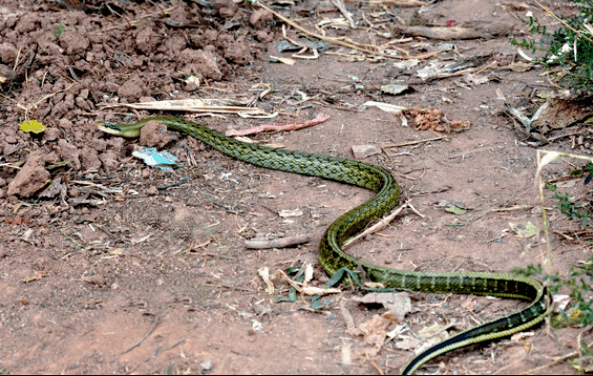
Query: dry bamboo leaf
[194,105]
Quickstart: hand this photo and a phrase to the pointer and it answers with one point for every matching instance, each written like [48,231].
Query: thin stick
[11,165]
[466,71]
[377,368]
[516,207]
[176,343]
[154,324]
[414,210]
[377,226]
[408,143]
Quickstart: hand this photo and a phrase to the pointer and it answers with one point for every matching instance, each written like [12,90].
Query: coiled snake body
[331,255]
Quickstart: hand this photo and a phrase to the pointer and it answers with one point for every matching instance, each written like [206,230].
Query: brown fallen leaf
[375,333]
[396,303]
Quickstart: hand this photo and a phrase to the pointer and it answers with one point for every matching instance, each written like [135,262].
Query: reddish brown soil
[116,248]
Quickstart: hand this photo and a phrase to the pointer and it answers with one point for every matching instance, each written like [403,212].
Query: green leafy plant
[570,208]
[580,282]
[570,46]
[59,29]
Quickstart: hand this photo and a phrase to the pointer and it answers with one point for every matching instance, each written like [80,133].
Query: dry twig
[377,226]
[408,143]
[287,241]
[154,324]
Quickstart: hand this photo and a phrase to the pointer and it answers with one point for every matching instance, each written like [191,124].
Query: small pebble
[206,366]
[364,151]
[152,191]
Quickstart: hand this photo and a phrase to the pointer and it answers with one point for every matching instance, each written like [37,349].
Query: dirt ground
[116,267]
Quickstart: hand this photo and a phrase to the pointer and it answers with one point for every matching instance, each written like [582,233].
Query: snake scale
[331,255]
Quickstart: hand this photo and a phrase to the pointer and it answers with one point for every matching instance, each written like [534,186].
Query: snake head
[118,129]
[109,127]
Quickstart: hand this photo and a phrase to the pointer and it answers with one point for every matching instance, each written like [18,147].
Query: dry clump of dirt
[69,63]
[434,119]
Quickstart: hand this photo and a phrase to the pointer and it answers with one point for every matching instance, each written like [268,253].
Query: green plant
[571,209]
[570,46]
[580,278]
[580,282]
[60,28]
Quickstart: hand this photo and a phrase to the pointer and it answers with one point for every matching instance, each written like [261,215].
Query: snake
[332,257]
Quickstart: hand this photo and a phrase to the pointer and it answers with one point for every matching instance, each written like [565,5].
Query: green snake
[331,255]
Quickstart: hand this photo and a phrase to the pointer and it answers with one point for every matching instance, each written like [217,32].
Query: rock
[364,151]
[27,23]
[206,366]
[55,188]
[10,139]
[152,191]
[83,104]
[51,48]
[97,280]
[31,178]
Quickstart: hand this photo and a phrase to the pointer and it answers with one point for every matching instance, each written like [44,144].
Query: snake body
[331,255]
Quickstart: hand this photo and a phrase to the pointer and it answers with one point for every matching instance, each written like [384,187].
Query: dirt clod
[8,53]
[154,134]
[70,153]
[31,178]
[74,41]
